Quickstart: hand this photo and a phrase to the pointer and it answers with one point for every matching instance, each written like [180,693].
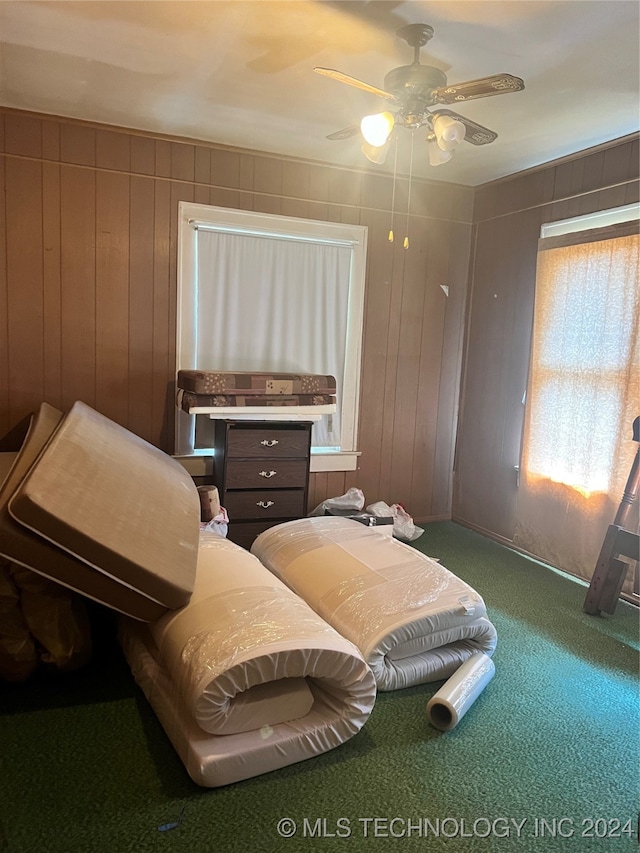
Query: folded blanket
[247,678]
[412,619]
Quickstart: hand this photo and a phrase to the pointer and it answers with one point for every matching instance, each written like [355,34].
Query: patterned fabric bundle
[249,384]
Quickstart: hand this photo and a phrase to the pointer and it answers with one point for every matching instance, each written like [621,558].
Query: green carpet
[546,759]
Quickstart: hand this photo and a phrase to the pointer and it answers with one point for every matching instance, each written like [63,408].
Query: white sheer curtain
[583,396]
[266,303]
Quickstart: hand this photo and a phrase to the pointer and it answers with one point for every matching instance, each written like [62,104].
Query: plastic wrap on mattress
[247,678]
[247,383]
[413,620]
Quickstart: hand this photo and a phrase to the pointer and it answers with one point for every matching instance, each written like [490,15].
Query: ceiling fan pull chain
[393,192]
[406,239]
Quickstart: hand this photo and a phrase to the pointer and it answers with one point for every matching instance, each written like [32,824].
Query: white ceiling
[240,73]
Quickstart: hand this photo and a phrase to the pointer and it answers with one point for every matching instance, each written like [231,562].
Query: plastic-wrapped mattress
[247,678]
[413,620]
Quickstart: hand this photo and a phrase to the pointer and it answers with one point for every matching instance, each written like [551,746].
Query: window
[583,390]
[291,300]
[586,316]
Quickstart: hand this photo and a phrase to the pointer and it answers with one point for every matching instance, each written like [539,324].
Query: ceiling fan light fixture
[410,91]
[449,132]
[375,153]
[376,129]
[437,156]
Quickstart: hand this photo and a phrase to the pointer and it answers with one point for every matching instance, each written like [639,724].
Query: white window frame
[190,217]
[587,221]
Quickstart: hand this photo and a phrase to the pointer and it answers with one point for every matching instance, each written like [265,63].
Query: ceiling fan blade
[476,134]
[499,84]
[352,81]
[345,133]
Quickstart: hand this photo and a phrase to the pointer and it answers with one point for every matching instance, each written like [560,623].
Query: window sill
[346,460]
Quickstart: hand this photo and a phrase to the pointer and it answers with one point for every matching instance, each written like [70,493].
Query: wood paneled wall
[88,287]
[508,215]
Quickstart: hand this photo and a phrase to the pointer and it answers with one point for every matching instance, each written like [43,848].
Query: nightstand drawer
[281,503]
[261,474]
[267,443]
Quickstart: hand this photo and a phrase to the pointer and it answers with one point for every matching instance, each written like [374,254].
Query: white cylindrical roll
[448,706]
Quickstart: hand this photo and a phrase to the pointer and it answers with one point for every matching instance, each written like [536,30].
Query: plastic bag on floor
[403,526]
[351,500]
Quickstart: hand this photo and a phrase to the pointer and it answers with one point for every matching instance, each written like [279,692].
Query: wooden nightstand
[261,470]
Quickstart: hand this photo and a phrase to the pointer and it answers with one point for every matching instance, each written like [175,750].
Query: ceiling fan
[415,93]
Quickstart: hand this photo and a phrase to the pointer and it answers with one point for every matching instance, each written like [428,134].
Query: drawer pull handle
[265,504]
[269,442]
[268,474]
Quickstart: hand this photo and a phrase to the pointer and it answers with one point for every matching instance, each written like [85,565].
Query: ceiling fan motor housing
[414,86]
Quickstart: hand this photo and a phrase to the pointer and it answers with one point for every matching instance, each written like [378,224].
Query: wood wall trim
[560,161]
[628,187]
[575,185]
[171,152]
